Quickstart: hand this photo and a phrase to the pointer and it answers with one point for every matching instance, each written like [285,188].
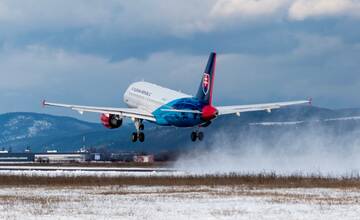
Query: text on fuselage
[143,92]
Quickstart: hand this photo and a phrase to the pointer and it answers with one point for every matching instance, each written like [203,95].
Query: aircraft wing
[125,112]
[237,109]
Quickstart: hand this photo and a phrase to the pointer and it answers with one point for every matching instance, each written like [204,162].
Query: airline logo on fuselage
[141,91]
[206,83]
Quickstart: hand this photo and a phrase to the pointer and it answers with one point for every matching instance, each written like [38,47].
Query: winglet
[310,101]
[43,103]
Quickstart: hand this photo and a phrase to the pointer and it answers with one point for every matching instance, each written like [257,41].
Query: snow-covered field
[54,171]
[161,202]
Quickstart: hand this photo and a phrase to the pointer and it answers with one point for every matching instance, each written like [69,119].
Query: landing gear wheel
[200,136]
[134,137]
[141,137]
[193,136]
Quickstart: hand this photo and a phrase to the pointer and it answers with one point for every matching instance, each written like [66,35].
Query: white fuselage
[149,97]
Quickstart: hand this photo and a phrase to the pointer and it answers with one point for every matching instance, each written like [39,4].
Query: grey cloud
[303,9]
[123,29]
[327,74]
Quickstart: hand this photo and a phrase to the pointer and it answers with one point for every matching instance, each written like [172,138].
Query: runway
[73,171]
[83,168]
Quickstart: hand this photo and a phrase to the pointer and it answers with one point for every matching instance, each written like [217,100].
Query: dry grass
[39,205]
[166,191]
[261,180]
[31,199]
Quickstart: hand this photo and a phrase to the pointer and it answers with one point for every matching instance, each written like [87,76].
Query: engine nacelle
[111,121]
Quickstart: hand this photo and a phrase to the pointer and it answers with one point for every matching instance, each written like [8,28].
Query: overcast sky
[89,51]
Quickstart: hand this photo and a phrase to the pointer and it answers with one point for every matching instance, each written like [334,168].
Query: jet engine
[111,121]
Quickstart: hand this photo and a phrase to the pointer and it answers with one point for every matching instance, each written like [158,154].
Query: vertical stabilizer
[204,93]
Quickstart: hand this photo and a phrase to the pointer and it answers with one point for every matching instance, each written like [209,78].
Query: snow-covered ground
[140,202]
[53,171]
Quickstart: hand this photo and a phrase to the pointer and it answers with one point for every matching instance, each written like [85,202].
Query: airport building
[144,158]
[16,157]
[53,156]
[61,157]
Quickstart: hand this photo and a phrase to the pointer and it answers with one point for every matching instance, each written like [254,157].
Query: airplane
[165,107]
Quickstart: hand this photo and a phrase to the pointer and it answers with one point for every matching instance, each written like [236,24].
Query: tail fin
[204,93]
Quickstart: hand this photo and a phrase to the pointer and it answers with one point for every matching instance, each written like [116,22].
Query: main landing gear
[138,135]
[197,135]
